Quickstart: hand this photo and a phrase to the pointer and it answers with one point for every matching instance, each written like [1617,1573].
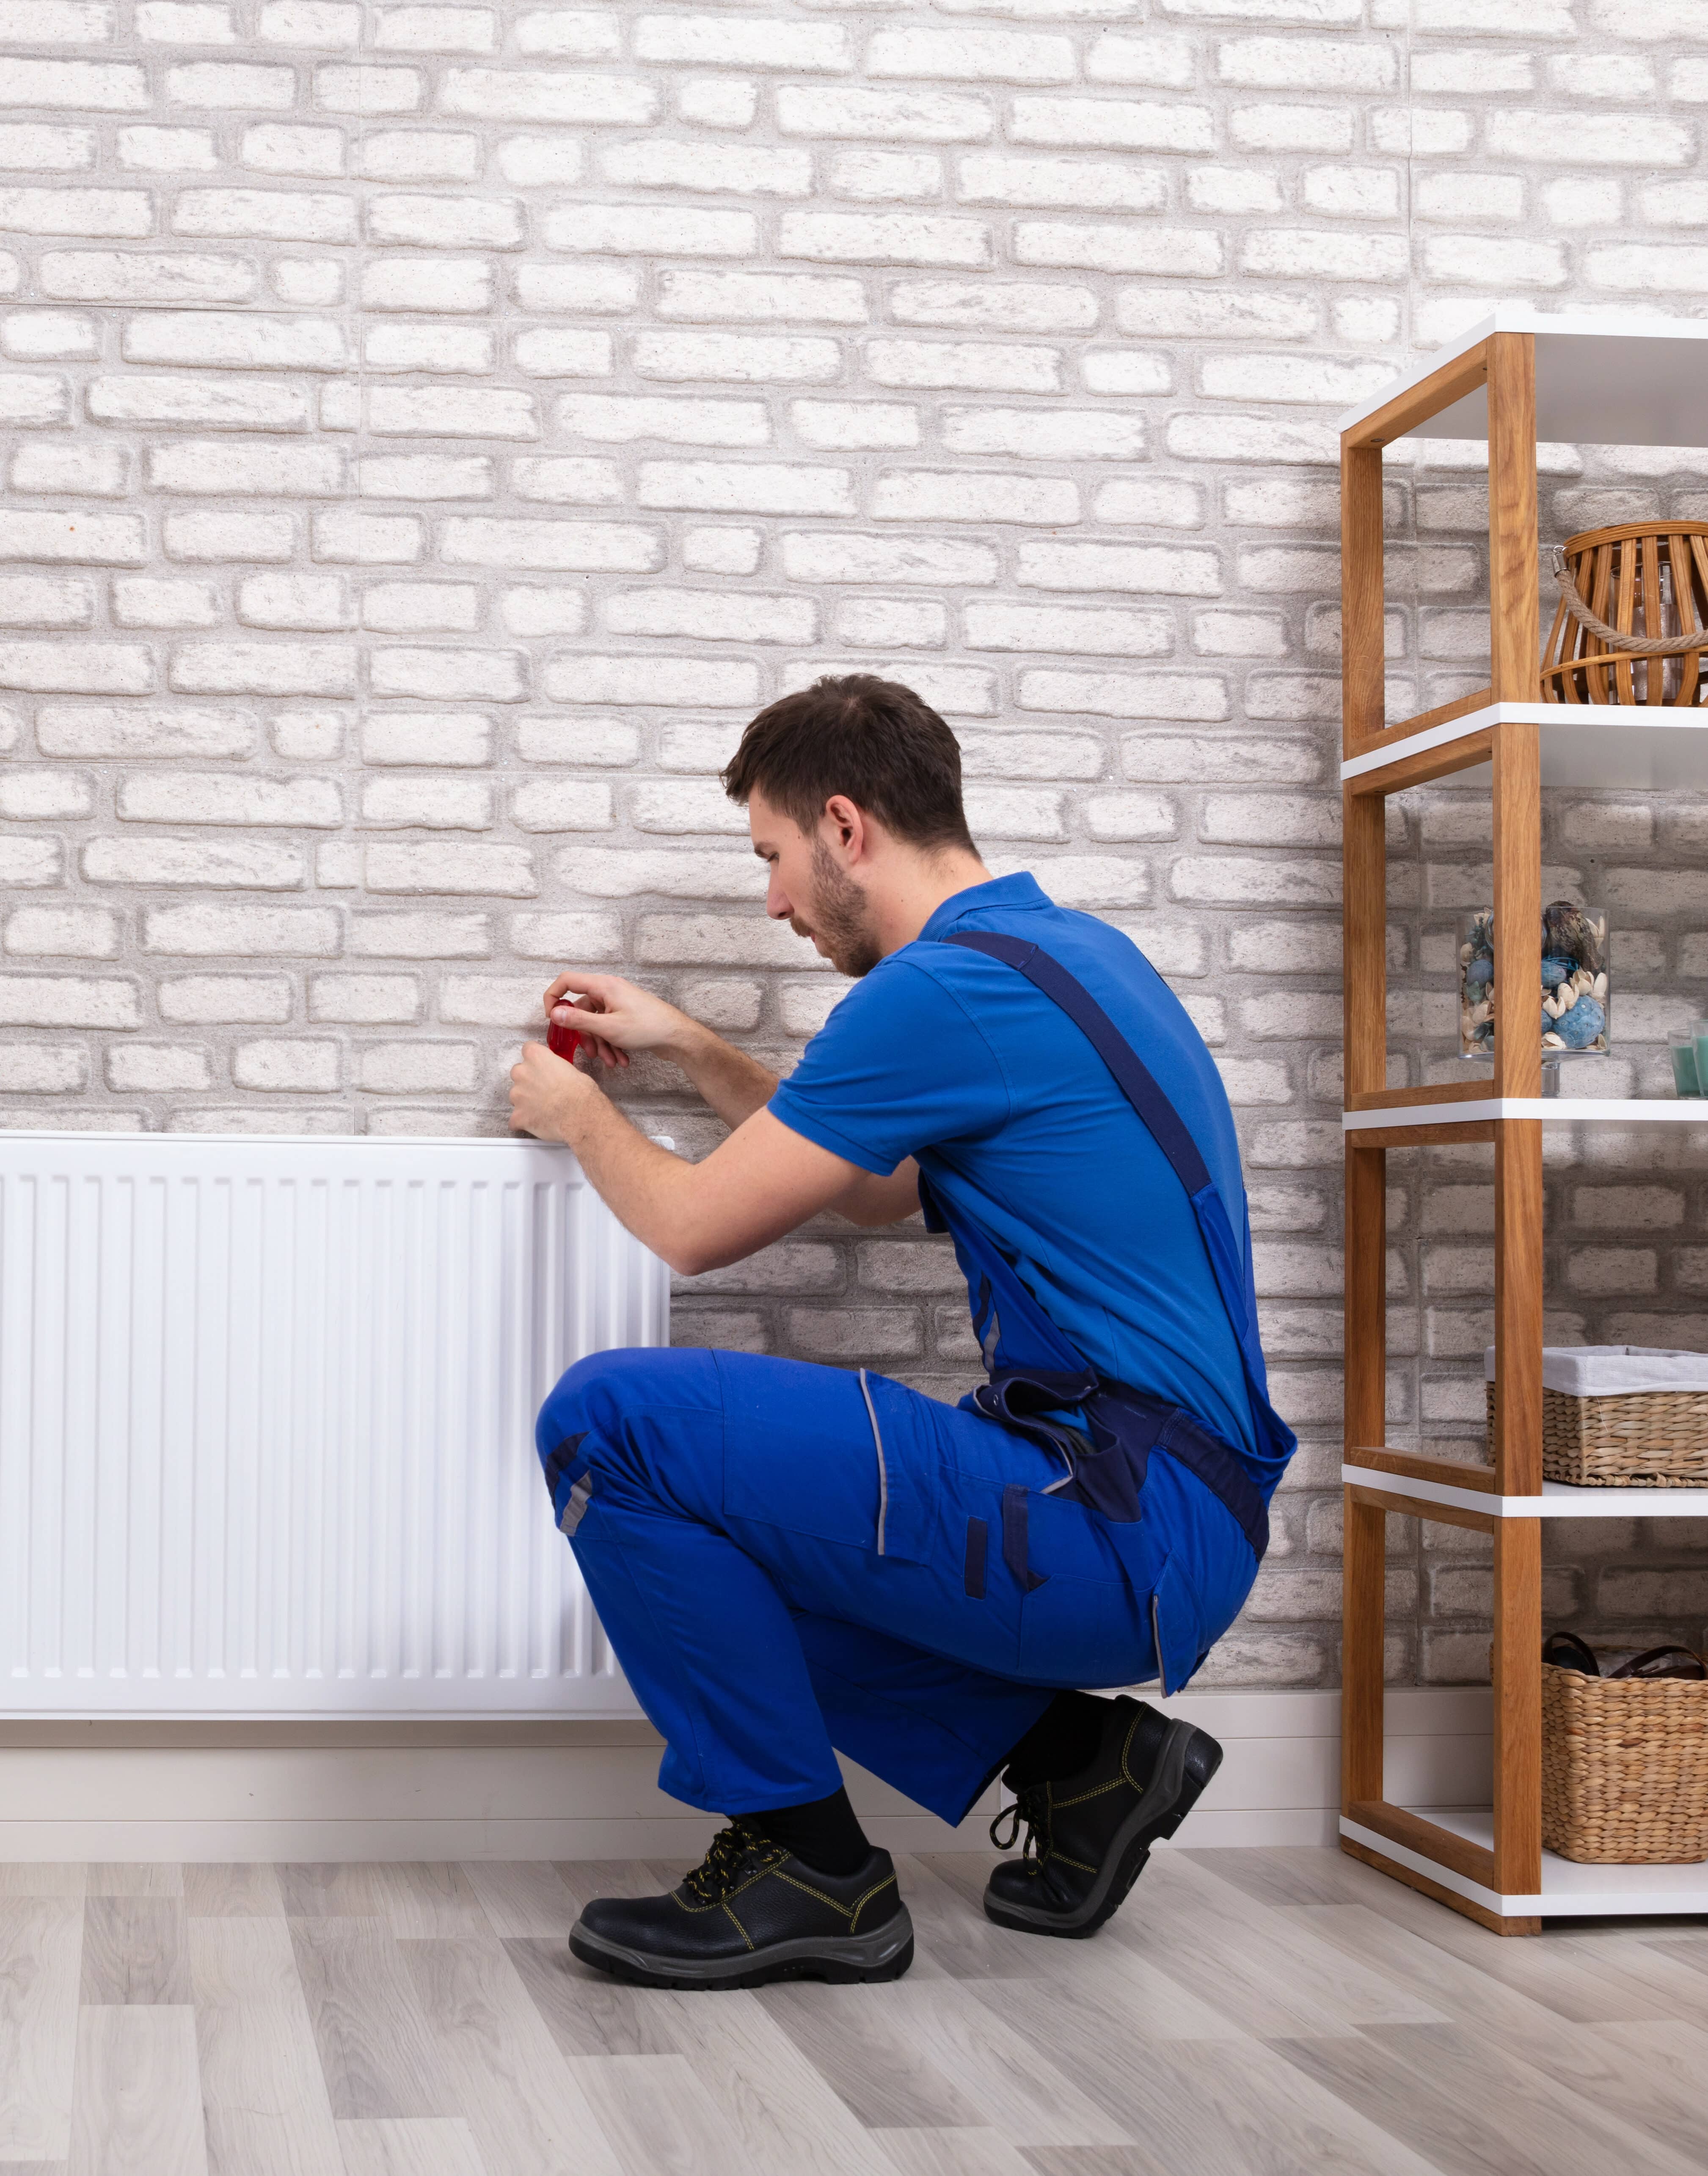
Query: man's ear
[845,824]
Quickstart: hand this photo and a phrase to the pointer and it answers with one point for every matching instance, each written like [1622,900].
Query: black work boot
[750,1912]
[1089,1835]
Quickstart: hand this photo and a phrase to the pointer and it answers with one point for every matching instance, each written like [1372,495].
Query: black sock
[825,1832]
[1063,1740]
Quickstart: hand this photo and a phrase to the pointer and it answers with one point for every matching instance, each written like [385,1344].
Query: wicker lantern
[1633,617]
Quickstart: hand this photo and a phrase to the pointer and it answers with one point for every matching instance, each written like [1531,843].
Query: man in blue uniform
[792,1561]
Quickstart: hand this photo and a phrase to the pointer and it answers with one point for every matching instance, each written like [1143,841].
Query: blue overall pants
[790,1558]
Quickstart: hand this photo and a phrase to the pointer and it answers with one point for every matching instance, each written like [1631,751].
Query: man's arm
[753,1188]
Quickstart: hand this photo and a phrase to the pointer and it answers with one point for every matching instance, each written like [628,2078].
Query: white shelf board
[1555,1110]
[1631,379]
[1655,748]
[1568,1889]
[1560,1499]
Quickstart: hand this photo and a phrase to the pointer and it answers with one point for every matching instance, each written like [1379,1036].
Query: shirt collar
[1021,889]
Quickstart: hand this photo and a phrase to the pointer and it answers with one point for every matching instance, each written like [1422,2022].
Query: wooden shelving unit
[1520,376]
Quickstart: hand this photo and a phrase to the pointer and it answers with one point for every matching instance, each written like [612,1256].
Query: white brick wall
[432,429]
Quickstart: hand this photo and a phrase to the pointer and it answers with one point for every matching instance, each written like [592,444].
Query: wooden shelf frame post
[1515,645]
[1506,363]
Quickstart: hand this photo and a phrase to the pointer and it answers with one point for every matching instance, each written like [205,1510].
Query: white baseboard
[303,1792]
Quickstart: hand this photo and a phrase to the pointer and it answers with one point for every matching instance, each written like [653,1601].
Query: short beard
[842,916]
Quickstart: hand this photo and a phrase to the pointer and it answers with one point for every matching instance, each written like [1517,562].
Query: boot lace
[724,1864]
[1030,1808]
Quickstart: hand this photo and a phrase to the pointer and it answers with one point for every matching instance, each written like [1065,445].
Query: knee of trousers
[590,1421]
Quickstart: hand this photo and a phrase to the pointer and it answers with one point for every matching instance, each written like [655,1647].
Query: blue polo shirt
[954,1059]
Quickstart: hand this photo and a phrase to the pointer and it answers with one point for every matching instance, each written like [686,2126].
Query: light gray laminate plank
[402,2146]
[262,2089]
[1546,1966]
[1015,2089]
[232,1892]
[138,2110]
[586,1879]
[521,1899]
[1092,2160]
[40,1946]
[1477,2110]
[952,1936]
[789,2121]
[1653,2076]
[1459,1990]
[1242,2110]
[134,1950]
[528,2114]
[658,2116]
[32,2168]
[135,1878]
[1680,1945]
[418,1902]
[979,2152]
[862,2049]
[1259,1966]
[1096,2002]
[329,1892]
[20,1877]
[965,1871]
[1291,1873]
[376,2051]
[587,2012]
[429,1903]
[1668,1979]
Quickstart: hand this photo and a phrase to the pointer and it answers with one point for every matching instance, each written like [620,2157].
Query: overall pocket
[1085,1623]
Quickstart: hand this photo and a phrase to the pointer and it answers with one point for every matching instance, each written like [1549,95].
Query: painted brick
[1186,252]
[190,798]
[242,865]
[925,495]
[788,297]
[884,116]
[845,556]
[1120,124]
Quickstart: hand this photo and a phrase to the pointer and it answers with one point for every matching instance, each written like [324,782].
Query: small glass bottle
[1681,1045]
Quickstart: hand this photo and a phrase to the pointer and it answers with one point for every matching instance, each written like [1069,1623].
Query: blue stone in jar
[1478,972]
[1556,970]
[1578,1029]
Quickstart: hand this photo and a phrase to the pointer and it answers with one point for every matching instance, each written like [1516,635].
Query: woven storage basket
[1650,1437]
[1625,1768]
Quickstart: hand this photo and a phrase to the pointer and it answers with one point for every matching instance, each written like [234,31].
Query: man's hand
[616,1017]
[546,1094]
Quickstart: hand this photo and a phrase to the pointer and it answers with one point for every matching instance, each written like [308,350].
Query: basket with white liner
[1620,1416]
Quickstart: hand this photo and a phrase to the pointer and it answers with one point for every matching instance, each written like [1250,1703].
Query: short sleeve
[899,1066]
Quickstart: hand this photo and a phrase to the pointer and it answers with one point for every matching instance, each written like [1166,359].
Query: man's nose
[777,902]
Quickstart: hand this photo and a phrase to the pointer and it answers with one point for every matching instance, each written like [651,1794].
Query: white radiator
[266,1425]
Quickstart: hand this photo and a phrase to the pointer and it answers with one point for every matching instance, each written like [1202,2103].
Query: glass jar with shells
[1576,1003]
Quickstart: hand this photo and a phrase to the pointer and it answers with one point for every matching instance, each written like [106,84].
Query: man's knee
[591,1415]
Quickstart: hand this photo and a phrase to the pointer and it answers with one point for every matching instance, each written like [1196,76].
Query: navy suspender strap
[1054,1372]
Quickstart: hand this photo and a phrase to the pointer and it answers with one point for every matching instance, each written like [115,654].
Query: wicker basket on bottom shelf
[1649,1440]
[1625,1768]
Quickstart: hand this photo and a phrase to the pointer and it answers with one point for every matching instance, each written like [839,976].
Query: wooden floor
[1265,2011]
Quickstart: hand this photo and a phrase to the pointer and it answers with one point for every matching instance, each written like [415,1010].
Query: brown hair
[872,740]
